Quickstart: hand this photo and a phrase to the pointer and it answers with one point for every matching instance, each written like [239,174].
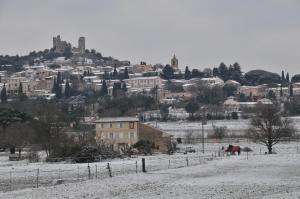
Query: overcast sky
[262,34]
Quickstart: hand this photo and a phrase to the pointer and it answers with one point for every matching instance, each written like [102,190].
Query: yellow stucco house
[122,132]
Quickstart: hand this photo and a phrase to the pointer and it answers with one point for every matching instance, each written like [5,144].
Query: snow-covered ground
[261,176]
[234,127]
[228,177]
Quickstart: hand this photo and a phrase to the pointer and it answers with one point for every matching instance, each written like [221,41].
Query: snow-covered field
[261,176]
[226,177]
[234,127]
[252,175]
[21,174]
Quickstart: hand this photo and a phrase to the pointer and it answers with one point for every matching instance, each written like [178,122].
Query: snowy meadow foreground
[258,176]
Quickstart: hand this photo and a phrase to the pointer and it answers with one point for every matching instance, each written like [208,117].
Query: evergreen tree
[58,91]
[287,79]
[104,90]
[56,88]
[3,95]
[115,73]
[59,78]
[21,95]
[106,75]
[126,75]
[54,85]
[291,90]
[20,89]
[223,71]
[237,68]
[230,69]
[116,88]
[215,72]
[168,72]
[67,90]
[282,77]
[124,87]
[187,73]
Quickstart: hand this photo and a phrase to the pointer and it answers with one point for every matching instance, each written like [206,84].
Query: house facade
[121,132]
[118,132]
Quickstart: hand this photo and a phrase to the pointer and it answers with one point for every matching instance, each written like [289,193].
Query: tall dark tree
[106,75]
[168,72]
[104,90]
[59,78]
[67,53]
[215,72]
[223,70]
[287,79]
[116,88]
[282,77]
[237,68]
[21,95]
[20,89]
[187,73]
[126,75]
[67,90]
[3,95]
[291,90]
[281,92]
[124,87]
[57,89]
[115,73]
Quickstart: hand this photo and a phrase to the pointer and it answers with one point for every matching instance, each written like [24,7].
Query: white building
[144,83]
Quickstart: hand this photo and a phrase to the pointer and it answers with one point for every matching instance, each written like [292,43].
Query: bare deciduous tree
[268,127]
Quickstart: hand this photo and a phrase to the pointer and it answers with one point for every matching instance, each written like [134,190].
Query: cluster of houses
[84,74]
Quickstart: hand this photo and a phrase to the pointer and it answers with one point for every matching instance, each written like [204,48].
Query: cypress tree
[3,95]
[67,90]
[115,73]
[282,77]
[187,73]
[287,79]
[291,90]
[58,91]
[54,85]
[59,78]
[126,75]
[116,88]
[20,90]
[281,92]
[104,90]
[215,72]
[124,87]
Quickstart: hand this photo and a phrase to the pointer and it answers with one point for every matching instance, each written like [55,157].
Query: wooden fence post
[89,171]
[136,167]
[37,177]
[10,180]
[77,172]
[187,161]
[109,170]
[143,165]
[96,172]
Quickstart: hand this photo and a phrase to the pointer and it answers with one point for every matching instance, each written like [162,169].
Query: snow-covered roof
[117,119]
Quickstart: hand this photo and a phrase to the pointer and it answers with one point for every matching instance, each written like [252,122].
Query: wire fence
[33,178]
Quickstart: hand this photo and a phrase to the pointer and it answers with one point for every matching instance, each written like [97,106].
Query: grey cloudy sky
[256,33]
